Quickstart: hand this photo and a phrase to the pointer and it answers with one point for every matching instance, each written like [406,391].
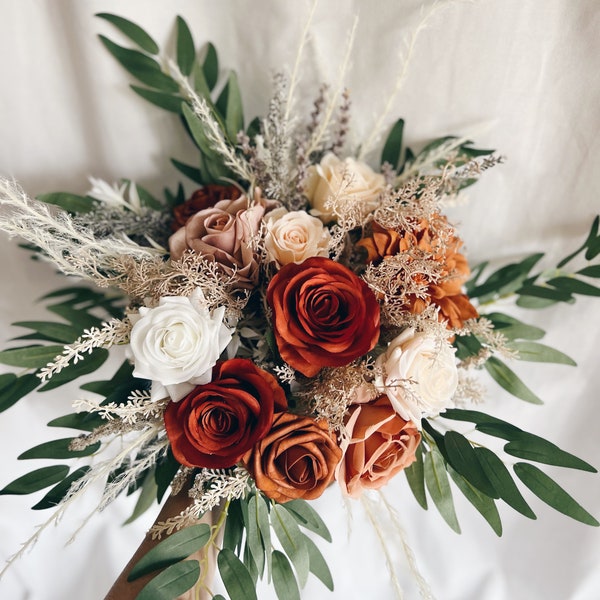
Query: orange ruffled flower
[454,306]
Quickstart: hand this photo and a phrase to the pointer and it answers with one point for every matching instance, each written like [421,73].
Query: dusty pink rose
[223,233]
[379,445]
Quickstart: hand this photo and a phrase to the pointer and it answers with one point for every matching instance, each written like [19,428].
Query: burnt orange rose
[380,444]
[323,315]
[296,459]
[204,197]
[217,423]
[454,306]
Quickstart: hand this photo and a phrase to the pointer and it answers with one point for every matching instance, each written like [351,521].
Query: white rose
[419,375]
[177,343]
[292,237]
[342,179]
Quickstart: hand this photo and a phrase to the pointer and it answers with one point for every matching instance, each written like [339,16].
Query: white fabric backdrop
[522,77]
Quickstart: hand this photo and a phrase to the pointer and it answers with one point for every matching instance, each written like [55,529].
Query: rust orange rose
[454,306]
[296,459]
[204,197]
[380,444]
[217,423]
[323,315]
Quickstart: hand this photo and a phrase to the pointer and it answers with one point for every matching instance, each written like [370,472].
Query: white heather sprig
[138,407]
[115,331]
[73,249]
[211,486]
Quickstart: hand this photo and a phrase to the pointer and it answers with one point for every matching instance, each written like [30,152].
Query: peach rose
[223,233]
[379,445]
[296,459]
[292,237]
[348,178]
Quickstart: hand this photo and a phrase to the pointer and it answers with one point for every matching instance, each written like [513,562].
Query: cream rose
[418,375]
[177,343]
[292,237]
[346,179]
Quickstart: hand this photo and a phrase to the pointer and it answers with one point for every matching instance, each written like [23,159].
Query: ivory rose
[177,343]
[418,375]
[379,444]
[223,233]
[292,237]
[217,423]
[296,459]
[344,179]
[323,315]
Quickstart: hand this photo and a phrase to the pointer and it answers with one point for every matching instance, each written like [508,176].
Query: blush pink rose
[223,233]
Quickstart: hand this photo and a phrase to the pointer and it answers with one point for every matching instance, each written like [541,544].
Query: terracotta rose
[204,197]
[296,459]
[217,423]
[223,233]
[323,315]
[380,444]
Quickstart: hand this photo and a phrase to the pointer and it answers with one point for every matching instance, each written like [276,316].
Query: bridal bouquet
[301,319]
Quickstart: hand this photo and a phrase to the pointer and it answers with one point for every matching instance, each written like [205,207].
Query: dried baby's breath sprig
[495,341]
[468,391]
[328,395]
[343,123]
[113,332]
[285,373]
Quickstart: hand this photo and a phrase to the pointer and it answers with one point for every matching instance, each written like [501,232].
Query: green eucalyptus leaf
[173,549]
[552,494]
[438,487]
[83,421]
[545,293]
[89,364]
[236,578]
[591,238]
[134,32]
[36,480]
[145,499]
[318,566]
[306,516]
[210,66]
[186,52]
[470,416]
[415,475]
[393,145]
[70,202]
[31,357]
[172,582]
[197,131]
[513,328]
[14,388]
[534,303]
[200,84]
[502,481]
[166,469]
[284,580]
[249,563]
[574,286]
[60,490]
[591,271]
[253,534]
[57,449]
[292,541]
[532,447]
[508,379]
[264,526]
[163,100]
[192,173]
[482,502]
[234,527]
[57,332]
[462,458]
[81,319]
[534,352]
[229,104]
[141,66]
